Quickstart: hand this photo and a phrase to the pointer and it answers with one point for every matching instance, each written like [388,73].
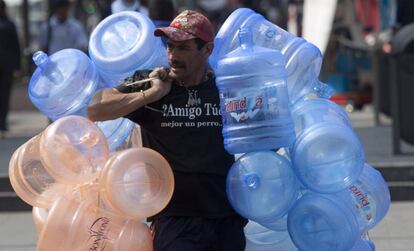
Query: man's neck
[194,79]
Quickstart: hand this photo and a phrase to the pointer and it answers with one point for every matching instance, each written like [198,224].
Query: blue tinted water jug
[334,222]
[261,186]
[259,238]
[363,245]
[253,96]
[123,43]
[116,131]
[63,84]
[327,155]
[303,59]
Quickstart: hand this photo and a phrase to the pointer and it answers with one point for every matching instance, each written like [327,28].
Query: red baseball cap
[188,25]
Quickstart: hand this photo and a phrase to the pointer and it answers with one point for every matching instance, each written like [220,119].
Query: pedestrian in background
[161,12]
[9,63]
[61,31]
[128,5]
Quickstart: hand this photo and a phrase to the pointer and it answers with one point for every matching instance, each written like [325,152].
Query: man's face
[185,58]
[62,13]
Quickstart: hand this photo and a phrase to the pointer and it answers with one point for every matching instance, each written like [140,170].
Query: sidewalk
[394,233]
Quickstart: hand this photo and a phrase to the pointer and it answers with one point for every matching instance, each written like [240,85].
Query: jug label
[98,234]
[255,105]
[243,108]
[363,202]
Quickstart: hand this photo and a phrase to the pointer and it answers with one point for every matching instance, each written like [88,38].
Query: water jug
[335,221]
[74,150]
[78,224]
[363,245]
[303,59]
[259,238]
[117,132]
[30,179]
[327,155]
[123,43]
[63,84]
[261,186]
[253,96]
[137,182]
[39,216]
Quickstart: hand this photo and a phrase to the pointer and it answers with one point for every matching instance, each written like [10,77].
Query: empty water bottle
[29,177]
[75,223]
[123,43]
[116,131]
[363,245]
[303,59]
[334,222]
[63,84]
[137,182]
[259,238]
[254,102]
[261,186]
[327,155]
[74,150]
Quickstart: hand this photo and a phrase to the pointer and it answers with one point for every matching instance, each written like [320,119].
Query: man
[179,116]
[62,31]
[9,63]
[128,5]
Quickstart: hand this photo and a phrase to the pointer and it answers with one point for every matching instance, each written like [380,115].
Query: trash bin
[402,85]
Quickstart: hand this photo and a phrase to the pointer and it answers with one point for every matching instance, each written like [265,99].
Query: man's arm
[110,104]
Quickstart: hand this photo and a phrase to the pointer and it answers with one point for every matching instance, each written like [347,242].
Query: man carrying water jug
[180,118]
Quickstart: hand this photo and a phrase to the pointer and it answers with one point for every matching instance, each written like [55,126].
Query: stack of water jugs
[82,198]
[64,83]
[319,194]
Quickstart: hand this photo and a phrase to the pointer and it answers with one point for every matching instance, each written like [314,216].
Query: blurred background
[368,58]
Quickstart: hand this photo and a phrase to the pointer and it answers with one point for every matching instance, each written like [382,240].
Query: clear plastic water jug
[262,186]
[63,84]
[303,59]
[78,224]
[39,216]
[253,95]
[327,155]
[137,182]
[259,238]
[123,43]
[30,179]
[363,245]
[74,150]
[116,131]
[336,221]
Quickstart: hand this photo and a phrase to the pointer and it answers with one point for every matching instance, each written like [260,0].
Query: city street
[394,233]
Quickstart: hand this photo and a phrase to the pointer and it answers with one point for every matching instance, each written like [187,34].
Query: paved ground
[394,233]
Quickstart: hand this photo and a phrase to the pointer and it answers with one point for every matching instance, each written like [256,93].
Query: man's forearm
[111,104]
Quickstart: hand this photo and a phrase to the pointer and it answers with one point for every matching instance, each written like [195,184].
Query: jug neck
[48,68]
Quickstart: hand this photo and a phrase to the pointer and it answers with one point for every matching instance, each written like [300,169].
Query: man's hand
[162,83]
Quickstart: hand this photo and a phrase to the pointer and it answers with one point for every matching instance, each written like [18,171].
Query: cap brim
[173,34]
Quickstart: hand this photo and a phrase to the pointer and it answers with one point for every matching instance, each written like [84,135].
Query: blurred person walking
[61,31]
[128,5]
[9,63]
[161,12]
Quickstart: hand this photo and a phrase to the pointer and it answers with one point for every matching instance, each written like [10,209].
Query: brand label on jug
[243,108]
[98,234]
[363,202]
